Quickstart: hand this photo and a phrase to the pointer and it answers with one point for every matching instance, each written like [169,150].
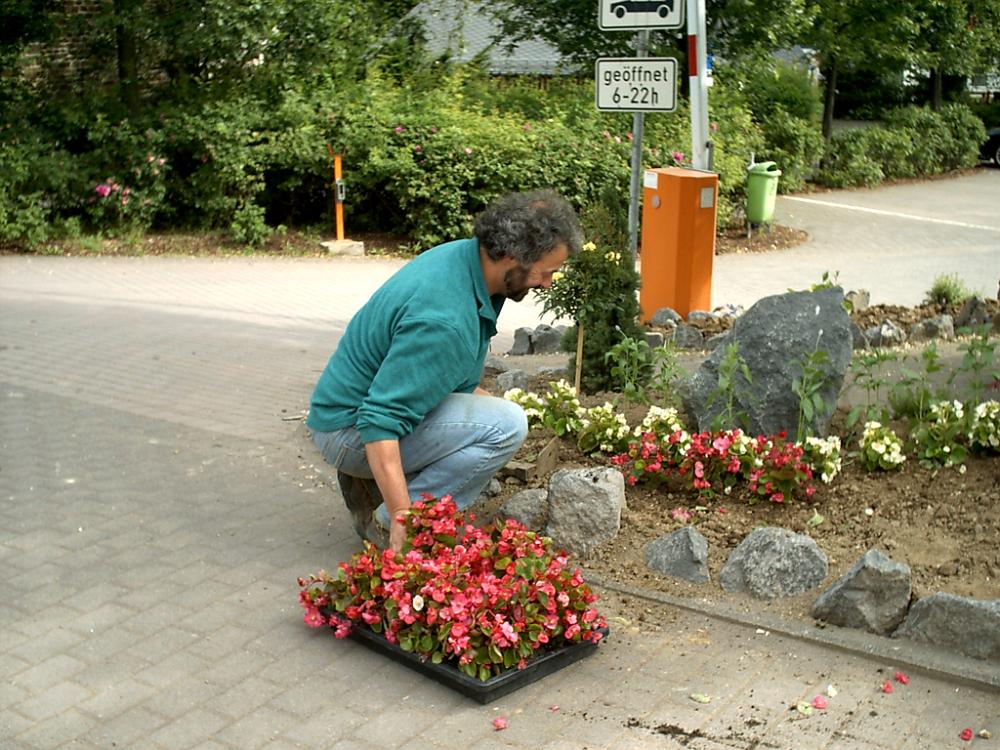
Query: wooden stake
[579,356]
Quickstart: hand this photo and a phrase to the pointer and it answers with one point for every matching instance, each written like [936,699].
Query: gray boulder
[522,342]
[545,340]
[873,595]
[688,337]
[585,507]
[666,317]
[773,337]
[858,338]
[654,339]
[681,554]
[512,379]
[973,313]
[530,507]
[941,327]
[969,626]
[886,334]
[773,562]
[714,342]
[495,364]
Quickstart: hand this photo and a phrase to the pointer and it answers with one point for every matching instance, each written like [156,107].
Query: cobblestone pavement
[158,500]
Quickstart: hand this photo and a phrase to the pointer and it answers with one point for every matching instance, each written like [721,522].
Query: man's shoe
[362,498]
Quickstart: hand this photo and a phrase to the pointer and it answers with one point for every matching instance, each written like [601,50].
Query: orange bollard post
[338,192]
[678,240]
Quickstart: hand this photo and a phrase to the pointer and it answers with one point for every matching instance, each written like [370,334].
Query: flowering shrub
[718,461]
[132,202]
[984,426]
[823,456]
[557,409]
[880,447]
[935,439]
[662,421]
[488,599]
[647,460]
[783,472]
[603,429]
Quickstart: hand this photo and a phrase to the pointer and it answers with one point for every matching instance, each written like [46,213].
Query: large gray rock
[530,507]
[688,337]
[886,334]
[545,340]
[585,507]
[873,595]
[941,327]
[969,626]
[666,317]
[681,554]
[495,364]
[773,337]
[973,313]
[522,342]
[512,379]
[653,338]
[773,562]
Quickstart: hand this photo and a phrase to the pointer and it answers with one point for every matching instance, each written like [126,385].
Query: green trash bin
[762,188]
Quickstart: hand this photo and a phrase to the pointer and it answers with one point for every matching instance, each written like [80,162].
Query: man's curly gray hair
[526,226]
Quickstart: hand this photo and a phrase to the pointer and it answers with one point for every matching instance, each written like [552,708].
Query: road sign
[636,84]
[640,14]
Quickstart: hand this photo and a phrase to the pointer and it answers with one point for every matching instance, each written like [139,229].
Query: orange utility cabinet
[678,240]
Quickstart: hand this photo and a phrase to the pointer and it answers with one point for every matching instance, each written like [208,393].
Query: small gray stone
[886,334]
[970,626]
[654,339]
[728,311]
[688,337]
[545,340]
[665,316]
[585,507]
[522,342]
[719,339]
[859,299]
[941,327]
[701,316]
[873,595]
[512,379]
[973,313]
[681,554]
[553,371]
[495,364]
[494,488]
[773,562]
[530,507]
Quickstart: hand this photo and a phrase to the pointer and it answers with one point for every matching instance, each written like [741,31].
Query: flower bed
[485,600]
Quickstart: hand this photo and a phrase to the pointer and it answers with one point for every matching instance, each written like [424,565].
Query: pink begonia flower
[819,702]
[499,723]
[886,687]
[102,190]
[680,514]
[966,734]
[902,679]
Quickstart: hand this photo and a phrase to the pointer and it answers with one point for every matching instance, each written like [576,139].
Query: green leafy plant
[912,394]
[731,367]
[603,430]
[558,409]
[807,387]
[984,427]
[978,356]
[248,226]
[936,439]
[823,455]
[947,289]
[867,369]
[880,448]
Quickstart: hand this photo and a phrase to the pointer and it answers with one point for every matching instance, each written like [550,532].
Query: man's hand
[397,535]
[481,392]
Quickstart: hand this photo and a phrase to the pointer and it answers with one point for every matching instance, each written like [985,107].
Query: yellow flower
[590,247]
[556,276]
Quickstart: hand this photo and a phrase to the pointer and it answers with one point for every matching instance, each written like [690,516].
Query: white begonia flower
[418,603]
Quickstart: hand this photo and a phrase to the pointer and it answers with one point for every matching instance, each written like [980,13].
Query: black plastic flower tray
[482,691]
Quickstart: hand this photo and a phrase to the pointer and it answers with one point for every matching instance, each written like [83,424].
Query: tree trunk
[830,97]
[937,89]
[128,66]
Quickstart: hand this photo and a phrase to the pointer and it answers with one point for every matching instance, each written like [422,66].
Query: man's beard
[514,284]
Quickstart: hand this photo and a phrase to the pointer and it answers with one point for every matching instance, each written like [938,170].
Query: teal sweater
[423,335]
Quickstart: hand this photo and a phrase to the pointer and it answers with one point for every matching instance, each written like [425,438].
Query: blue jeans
[454,451]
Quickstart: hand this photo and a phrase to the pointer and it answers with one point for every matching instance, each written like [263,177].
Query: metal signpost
[639,84]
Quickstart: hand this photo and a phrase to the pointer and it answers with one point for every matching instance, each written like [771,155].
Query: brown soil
[760,240]
[944,524]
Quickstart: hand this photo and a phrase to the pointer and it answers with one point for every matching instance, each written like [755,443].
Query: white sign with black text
[631,84]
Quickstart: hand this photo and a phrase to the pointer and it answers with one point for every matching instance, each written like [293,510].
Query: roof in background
[464,30]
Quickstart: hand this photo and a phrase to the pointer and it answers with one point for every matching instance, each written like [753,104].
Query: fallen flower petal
[553,708]
[831,690]
[886,687]
[499,723]
[984,734]
[966,734]
[700,698]
[804,708]
[902,678]
[819,702]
